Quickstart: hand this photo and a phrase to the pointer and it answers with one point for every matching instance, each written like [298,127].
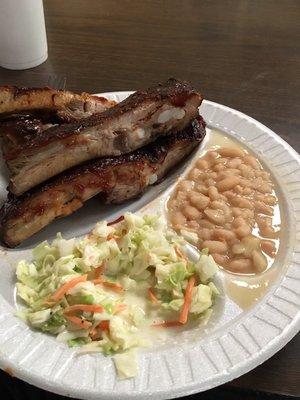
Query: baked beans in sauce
[227,199]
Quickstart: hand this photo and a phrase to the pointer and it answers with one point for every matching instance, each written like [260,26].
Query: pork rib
[131,124]
[115,178]
[58,105]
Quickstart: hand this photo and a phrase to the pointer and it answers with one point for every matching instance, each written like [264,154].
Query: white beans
[231,152]
[259,260]
[216,216]
[224,199]
[240,265]
[199,200]
[214,246]
[213,193]
[224,234]
[228,183]
[191,213]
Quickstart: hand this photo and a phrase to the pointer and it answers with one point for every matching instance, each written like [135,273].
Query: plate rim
[220,375]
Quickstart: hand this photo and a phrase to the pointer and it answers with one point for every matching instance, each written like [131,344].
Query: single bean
[202,164]
[201,188]
[242,202]
[191,213]
[205,233]
[250,243]
[268,247]
[236,212]
[185,185]
[238,248]
[228,183]
[238,189]
[253,162]
[193,225]
[224,234]
[263,208]
[267,198]
[243,230]
[269,232]
[234,163]
[213,193]
[212,155]
[220,259]
[231,152]
[247,191]
[221,205]
[204,223]
[246,171]
[264,188]
[259,260]
[210,182]
[219,168]
[241,265]
[237,222]
[199,200]
[214,246]
[178,218]
[194,174]
[217,216]
[221,160]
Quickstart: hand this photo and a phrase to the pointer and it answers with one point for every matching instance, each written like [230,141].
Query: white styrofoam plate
[235,341]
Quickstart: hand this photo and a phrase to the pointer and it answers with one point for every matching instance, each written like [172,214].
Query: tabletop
[242,53]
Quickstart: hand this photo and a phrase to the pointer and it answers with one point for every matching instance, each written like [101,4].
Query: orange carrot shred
[97,281]
[180,253]
[152,296]
[104,325]
[111,285]
[58,295]
[167,324]
[121,307]
[187,300]
[78,321]
[99,270]
[84,307]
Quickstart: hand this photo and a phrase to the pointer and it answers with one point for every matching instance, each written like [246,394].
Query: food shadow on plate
[82,221]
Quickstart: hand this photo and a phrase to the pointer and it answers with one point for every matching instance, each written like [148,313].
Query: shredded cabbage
[102,292]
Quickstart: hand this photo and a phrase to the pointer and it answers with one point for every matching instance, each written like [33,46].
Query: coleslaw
[102,292]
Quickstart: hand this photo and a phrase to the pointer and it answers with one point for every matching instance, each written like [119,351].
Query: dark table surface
[245,54]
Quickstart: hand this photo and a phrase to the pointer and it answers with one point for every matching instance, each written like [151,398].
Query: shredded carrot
[97,281]
[78,321]
[180,253]
[152,296]
[111,285]
[58,295]
[104,325]
[187,300]
[167,324]
[95,334]
[84,307]
[49,302]
[116,220]
[121,307]
[99,270]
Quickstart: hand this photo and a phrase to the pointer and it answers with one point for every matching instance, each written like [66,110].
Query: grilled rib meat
[57,106]
[116,179]
[131,124]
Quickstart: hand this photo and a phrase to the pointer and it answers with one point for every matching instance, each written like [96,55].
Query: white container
[23,41]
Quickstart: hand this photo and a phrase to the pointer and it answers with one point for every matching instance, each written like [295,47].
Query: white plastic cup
[23,41]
